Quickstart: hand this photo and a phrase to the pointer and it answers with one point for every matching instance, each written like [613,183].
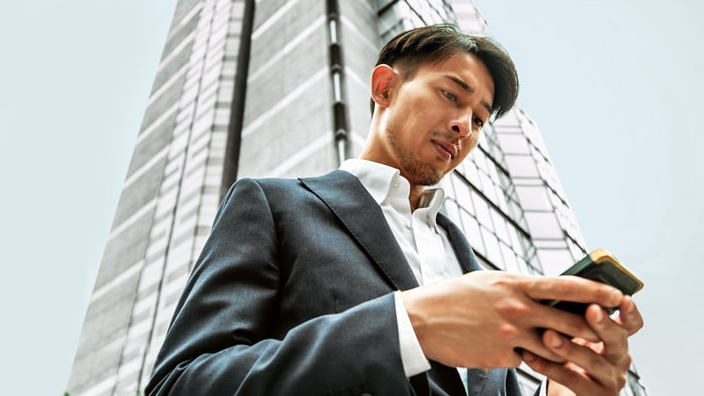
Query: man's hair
[436,43]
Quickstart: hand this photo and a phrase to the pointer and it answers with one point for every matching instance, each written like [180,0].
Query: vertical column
[239,94]
[357,28]
[337,73]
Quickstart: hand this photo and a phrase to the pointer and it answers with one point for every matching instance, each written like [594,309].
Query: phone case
[602,267]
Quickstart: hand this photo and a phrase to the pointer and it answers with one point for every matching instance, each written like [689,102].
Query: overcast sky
[615,87]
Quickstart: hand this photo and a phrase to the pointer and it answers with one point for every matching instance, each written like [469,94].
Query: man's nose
[461,124]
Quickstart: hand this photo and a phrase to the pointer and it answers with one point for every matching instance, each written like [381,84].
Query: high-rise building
[279,88]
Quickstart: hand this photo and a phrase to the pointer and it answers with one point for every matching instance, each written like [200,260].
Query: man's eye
[449,95]
[479,122]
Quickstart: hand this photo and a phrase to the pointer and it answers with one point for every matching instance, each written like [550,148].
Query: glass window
[515,242]
[533,198]
[493,253]
[493,173]
[500,226]
[513,143]
[554,261]
[483,215]
[521,166]
[471,229]
[222,116]
[480,160]
[487,186]
[453,212]
[523,267]
[577,252]
[516,212]
[462,167]
[462,194]
[510,259]
[505,181]
[447,184]
[543,225]
[501,199]
[472,174]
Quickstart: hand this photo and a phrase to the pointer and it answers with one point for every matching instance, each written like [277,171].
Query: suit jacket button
[366,394]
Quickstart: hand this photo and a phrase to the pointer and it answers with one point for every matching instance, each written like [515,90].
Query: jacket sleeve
[220,340]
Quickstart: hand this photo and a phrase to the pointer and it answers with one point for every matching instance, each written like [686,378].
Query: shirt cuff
[412,357]
[543,388]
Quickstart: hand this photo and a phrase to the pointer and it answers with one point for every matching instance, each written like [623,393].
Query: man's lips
[445,148]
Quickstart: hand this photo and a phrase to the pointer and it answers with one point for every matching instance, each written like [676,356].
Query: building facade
[277,88]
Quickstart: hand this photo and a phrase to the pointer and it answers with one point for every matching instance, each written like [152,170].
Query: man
[352,283]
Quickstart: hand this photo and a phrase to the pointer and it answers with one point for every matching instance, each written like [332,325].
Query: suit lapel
[361,215]
[463,251]
[347,198]
[447,379]
[475,377]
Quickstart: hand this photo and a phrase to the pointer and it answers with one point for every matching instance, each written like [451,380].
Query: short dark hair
[436,43]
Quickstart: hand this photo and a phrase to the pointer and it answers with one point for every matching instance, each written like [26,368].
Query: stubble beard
[415,169]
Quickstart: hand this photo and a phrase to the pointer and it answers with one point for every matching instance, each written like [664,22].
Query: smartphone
[602,267]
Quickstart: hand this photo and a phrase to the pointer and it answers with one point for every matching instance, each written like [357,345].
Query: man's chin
[422,173]
[427,177]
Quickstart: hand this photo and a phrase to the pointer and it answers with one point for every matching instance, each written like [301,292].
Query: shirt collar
[381,181]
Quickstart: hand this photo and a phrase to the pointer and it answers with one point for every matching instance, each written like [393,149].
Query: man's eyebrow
[467,88]
[488,107]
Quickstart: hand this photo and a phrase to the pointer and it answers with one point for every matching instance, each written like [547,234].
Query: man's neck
[416,190]
[415,196]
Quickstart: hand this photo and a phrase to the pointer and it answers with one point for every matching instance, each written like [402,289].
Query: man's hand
[591,368]
[485,318]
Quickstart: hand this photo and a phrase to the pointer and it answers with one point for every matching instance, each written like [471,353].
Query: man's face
[434,119]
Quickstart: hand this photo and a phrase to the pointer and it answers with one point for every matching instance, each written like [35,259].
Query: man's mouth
[445,149]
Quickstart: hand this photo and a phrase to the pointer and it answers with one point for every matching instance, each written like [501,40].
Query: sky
[614,86]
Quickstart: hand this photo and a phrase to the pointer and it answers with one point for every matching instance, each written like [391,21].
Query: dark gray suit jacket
[292,295]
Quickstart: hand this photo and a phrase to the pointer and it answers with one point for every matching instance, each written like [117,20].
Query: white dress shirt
[425,245]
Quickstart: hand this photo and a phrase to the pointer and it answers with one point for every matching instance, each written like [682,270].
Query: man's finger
[535,345]
[573,288]
[563,322]
[613,335]
[629,316]
[609,375]
[562,373]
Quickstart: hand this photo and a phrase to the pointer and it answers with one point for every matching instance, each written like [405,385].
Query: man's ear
[383,79]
